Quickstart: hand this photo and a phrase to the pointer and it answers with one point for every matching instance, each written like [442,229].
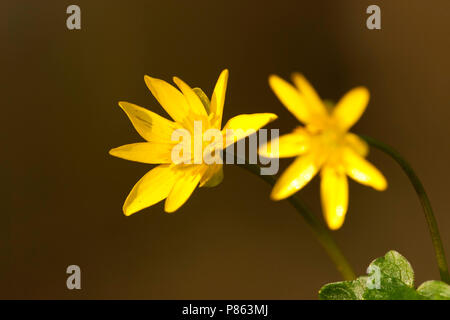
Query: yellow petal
[244,125]
[213,176]
[351,107]
[204,99]
[171,99]
[149,125]
[357,144]
[150,189]
[314,104]
[189,178]
[363,171]
[296,176]
[196,105]
[289,145]
[291,98]
[146,152]
[334,196]
[218,98]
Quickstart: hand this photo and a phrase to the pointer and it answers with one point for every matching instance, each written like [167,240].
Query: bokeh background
[62,194]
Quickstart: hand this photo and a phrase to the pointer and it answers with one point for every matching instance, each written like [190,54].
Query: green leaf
[389,278]
[395,266]
[391,289]
[345,290]
[435,290]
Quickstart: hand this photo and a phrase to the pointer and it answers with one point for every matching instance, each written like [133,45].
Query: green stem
[420,190]
[320,231]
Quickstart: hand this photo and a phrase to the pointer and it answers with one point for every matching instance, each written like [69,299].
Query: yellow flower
[177,181]
[324,144]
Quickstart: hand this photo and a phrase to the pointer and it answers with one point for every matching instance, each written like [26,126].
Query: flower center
[329,142]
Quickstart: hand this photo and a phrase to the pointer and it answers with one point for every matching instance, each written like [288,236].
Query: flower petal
[351,106]
[189,178]
[171,99]
[150,189]
[291,98]
[315,104]
[218,98]
[296,176]
[204,99]
[334,196]
[356,143]
[151,126]
[363,171]
[145,152]
[244,125]
[289,145]
[213,176]
[196,105]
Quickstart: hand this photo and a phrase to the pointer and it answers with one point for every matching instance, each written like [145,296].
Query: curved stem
[420,190]
[320,231]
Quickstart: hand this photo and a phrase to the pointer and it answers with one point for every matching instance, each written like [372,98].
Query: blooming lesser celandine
[323,144]
[190,109]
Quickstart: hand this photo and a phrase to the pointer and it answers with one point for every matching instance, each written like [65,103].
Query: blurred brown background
[62,193]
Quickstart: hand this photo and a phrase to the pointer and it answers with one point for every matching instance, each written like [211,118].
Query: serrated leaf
[434,290]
